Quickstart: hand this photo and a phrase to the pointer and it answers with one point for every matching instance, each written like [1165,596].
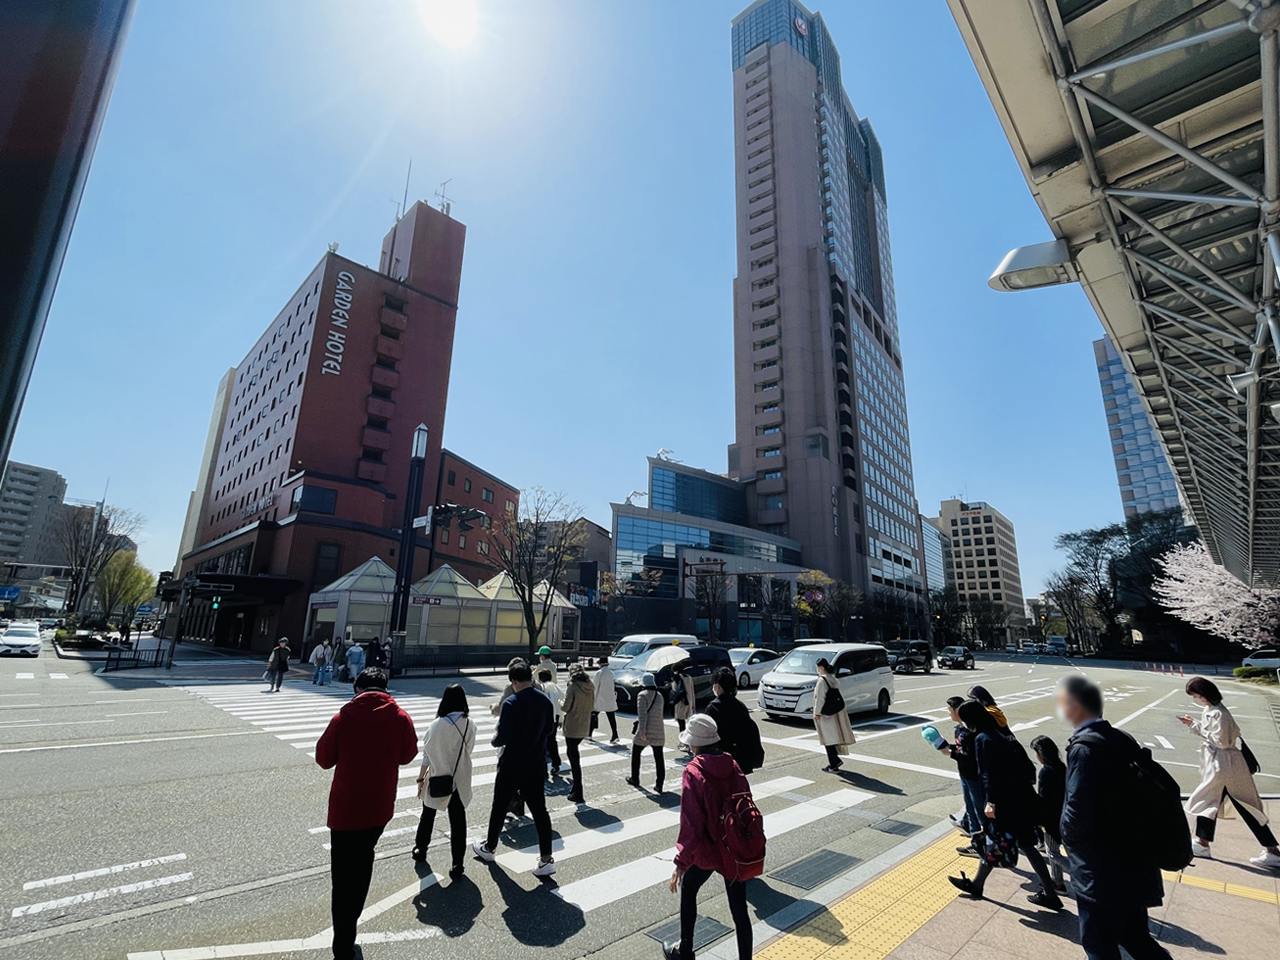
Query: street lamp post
[408,535]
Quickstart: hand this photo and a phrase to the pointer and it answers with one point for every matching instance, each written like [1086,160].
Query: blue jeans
[974,804]
[319,675]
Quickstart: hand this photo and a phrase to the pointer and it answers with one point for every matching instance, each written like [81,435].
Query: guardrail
[134,659]
[445,662]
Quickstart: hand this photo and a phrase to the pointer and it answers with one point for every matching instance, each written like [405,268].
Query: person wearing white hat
[650,731]
[710,778]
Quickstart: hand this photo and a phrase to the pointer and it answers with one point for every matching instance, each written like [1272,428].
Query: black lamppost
[408,535]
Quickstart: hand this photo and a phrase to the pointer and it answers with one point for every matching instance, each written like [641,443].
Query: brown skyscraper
[309,470]
[820,399]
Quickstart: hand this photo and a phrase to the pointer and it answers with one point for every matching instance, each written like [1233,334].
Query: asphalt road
[152,819]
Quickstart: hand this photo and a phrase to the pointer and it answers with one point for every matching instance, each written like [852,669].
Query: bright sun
[451,22]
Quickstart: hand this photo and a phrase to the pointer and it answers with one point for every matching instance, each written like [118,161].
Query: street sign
[420,522]
[425,601]
[146,608]
[9,593]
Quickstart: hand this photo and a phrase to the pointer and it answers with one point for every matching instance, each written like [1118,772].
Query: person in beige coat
[835,732]
[446,752]
[650,732]
[575,717]
[1224,773]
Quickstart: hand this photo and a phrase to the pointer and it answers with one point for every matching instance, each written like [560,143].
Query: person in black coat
[1008,779]
[1051,784]
[1114,889]
[739,735]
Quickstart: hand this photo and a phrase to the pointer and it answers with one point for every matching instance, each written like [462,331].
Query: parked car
[752,663]
[48,623]
[1011,647]
[1262,658]
[866,679]
[1057,646]
[20,639]
[956,658]
[909,655]
[704,662]
[631,646]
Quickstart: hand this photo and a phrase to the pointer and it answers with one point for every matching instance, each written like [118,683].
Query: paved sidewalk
[1223,906]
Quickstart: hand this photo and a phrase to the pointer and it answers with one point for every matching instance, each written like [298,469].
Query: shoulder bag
[834,701]
[442,786]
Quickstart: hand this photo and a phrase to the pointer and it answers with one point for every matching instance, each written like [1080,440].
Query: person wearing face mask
[1224,773]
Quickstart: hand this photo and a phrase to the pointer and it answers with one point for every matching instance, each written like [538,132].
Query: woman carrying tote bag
[831,716]
[444,783]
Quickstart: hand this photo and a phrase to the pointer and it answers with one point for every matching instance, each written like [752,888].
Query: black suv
[956,658]
[705,662]
[910,654]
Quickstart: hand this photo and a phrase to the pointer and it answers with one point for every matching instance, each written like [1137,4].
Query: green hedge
[1255,673]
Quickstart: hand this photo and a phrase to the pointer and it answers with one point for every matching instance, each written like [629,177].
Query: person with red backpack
[721,831]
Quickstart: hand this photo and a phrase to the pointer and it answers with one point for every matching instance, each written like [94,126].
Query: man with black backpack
[1122,822]
[739,735]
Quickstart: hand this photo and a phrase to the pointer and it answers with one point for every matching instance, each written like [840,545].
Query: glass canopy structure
[1148,132]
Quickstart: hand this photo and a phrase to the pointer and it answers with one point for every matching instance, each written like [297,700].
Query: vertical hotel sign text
[336,339]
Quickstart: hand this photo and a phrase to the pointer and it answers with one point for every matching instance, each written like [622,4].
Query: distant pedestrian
[445,779]
[831,716]
[355,661]
[650,731]
[388,654]
[278,665]
[987,700]
[368,741]
[1051,785]
[1225,772]
[606,699]
[523,722]
[546,663]
[551,690]
[739,735]
[319,660]
[684,701]
[710,778]
[961,750]
[374,655]
[580,695]
[1101,812]
[1008,778]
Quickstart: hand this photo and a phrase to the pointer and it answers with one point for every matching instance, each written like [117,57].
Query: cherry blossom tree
[1195,589]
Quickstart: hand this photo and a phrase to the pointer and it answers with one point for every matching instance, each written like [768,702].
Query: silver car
[751,664]
[22,640]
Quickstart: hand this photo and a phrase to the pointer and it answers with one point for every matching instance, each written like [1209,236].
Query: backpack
[833,704]
[741,837]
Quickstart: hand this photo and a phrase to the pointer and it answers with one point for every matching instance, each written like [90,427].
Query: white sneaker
[483,852]
[1199,848]
[1266,859]
[545,868]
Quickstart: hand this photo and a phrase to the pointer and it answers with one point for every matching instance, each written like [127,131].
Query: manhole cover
[815,869]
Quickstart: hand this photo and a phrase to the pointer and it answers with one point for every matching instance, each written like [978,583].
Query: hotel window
[444,535]
[775,428]
[462,541]
[771,452]
[466,485]
[483,547]
[511,507]
[773,502]
[452,478]
[773,475]
[486,495]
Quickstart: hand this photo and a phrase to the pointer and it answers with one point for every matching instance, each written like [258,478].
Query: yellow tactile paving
[1220,886]
[872,922]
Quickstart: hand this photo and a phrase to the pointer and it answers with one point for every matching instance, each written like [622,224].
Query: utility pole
[408,534]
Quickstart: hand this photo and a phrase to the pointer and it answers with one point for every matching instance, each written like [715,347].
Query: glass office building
[937,546]
[1146,480]
[675,488]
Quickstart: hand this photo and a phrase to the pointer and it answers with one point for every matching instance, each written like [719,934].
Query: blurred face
[955,716]
[1069,710]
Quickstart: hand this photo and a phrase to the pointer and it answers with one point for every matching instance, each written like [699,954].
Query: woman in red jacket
[710,777]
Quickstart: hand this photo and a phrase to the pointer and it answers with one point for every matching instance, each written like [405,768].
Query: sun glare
[451,22]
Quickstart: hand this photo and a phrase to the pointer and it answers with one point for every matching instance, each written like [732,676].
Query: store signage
[336,340]
[425,601]
[801,27]
[325,605]
[258,506]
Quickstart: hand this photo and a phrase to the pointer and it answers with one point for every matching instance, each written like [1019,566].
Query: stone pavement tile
[982,951]
[954,925]
[1183,897]
[1198,921]
[1029,931]
[917,951]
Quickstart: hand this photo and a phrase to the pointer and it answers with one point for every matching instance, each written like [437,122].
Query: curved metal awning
[1149,134]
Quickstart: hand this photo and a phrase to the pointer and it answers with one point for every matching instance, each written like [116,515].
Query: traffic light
[216,601]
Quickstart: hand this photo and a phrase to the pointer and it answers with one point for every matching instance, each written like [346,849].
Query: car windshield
[628,648]
[1264,655]
[801,661]
[953,651]
[738,656]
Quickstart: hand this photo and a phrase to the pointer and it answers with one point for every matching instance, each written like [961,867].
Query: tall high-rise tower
[820,402]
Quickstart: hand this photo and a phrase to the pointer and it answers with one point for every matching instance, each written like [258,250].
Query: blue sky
[590,151]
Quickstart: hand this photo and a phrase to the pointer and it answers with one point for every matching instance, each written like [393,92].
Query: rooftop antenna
[445,203]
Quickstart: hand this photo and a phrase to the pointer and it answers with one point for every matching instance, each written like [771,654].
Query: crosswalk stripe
[57,676]
[100,894]
[630,878]
[102,871]
[598,838]
[24,676]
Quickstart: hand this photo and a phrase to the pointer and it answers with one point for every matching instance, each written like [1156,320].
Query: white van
[637,643]
[866,679]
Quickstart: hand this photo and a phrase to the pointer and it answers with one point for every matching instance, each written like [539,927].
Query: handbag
[442,786]
[998,848]
[834,702]
[1250,760]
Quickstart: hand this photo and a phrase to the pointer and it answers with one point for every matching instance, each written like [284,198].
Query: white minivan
[633,645]
[866,679]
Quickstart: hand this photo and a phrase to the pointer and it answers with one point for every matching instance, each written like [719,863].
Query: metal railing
[134,659]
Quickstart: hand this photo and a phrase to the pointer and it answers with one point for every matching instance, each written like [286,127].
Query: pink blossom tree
[1200,592]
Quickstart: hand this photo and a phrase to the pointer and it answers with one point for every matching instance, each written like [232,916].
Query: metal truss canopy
[1149,134]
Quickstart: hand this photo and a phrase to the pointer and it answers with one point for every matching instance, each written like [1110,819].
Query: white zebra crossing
[92,896]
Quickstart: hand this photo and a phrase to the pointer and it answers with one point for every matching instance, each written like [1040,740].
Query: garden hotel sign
[336,339]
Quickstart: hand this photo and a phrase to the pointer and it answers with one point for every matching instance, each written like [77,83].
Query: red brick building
[308,473]
[471,552]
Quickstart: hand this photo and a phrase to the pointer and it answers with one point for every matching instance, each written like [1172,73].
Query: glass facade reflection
[707,496]
[936,544]
[1146,480]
